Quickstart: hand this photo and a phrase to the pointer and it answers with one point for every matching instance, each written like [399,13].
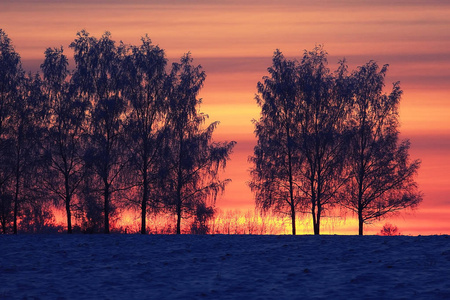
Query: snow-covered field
[223,267]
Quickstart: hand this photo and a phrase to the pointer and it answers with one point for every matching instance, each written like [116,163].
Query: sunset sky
[234,42]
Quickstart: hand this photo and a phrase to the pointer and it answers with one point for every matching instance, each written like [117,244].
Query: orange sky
[234,43]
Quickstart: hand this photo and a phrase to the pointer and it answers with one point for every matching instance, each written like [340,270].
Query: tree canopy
[117,131]
[123,130]
[328,139]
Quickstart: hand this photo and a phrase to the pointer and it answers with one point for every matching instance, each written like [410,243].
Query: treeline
[121,129]
[221,222]
[328,140]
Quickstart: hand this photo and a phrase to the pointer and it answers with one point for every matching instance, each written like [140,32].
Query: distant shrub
[202,216]
[389,230]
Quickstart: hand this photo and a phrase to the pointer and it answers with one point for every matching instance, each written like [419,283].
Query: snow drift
[223,267]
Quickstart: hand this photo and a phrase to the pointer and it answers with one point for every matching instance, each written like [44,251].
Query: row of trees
[124,129]
[119,127]
[328,139]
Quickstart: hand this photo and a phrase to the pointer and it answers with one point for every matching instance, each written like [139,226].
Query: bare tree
[144,89]
[276,157]
[193,160]
[63,143]
[321,118]
[389,230]
[382,180]
[299,157]
[26,128]
[98,76]
[10,78]
[202,215]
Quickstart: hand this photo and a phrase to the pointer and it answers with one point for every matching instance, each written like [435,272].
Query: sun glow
[231,221]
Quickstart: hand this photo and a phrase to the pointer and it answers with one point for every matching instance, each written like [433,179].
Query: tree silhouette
[382,180]
[10,80]
[303,136]
[202,215]
[389,230]
[98,75]
[192,158]
[6,206]
[26,129]
[276,157]
[322,144]
[63,142]
[144,89]
[121,122]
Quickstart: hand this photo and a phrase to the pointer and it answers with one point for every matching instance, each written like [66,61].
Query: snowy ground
[223,267]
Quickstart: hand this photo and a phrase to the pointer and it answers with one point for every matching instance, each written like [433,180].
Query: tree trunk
[361,222]
[16,198]
[317,221]
[291,185]
[143,217]
[317,227]
[179,202]
[313,211]
[145,187]
[106,209]
[179,183]
[360,205]
[179,218]
[293,220]
[16,210]
[144,204]
[69,216]
[361,175]
[68,200]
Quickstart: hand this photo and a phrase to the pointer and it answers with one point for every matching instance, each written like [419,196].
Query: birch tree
[382,174]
